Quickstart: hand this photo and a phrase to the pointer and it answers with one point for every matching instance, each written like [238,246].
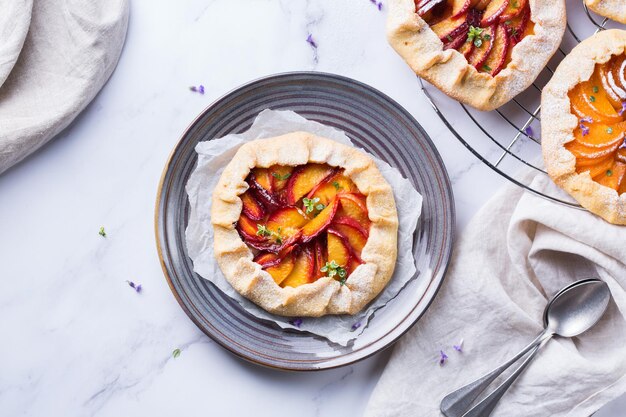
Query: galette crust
[326,295]
[449,71]
[558,124]
[613,9]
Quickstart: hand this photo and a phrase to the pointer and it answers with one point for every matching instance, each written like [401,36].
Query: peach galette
[584,125]
[613,9]
[480,52]
[304,226]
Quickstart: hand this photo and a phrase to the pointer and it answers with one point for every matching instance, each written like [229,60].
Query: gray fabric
[517,252]
[70,51]
[14,23]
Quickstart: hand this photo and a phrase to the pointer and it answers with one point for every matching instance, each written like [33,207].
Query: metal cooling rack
[513,131]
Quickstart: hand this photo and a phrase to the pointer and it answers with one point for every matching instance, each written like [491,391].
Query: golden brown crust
[558,124]
[449,71]
[613,9]
[326,295]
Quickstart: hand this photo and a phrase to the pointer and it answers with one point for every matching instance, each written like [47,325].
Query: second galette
[613,9]
[480,52]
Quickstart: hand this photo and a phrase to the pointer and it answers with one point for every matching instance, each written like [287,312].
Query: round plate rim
[437,278]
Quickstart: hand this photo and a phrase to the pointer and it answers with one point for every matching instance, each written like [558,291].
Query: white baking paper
[214,155]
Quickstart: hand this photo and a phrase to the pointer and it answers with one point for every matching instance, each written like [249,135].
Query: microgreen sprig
[311,204]
[332,268]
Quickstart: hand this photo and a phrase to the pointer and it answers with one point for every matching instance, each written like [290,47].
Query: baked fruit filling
[600,105]
[484,31]
[304,223]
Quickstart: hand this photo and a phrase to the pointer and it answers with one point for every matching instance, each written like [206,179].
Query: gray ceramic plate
[375,123]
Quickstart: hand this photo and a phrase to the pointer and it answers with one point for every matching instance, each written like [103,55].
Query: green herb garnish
[332,268]
[264,231]
[595,89]
[487,68]
[310,204]
[281,177]
[336,185]
[176,353]
[609,173]
[475,35]
[592,98]
[101,232]
[609,130]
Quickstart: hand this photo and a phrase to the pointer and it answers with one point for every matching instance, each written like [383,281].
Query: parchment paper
[214,155]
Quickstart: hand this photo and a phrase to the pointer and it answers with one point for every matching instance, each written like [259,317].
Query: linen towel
[70,51]
[14,23]
[516,253]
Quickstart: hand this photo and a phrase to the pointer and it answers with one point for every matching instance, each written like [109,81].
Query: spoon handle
[486,406]
[456,403]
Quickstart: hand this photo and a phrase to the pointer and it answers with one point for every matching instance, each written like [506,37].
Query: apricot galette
[304,226]
[583,121]
[480,52]
[613,9]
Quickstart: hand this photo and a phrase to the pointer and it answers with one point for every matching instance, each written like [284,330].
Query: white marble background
[76,339]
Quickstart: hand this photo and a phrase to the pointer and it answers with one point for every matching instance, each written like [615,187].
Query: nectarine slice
[493,11]
[356,240]
[450,28]
[513,9]
[279,175]
[263,178]
[320,257]
[281,270]
[328,189]
[353,207]
[319,223]
[482,4]
[479,54]
[497,57]
[337,248]
[248,229]
[287,221]
[303,269]
[251,206]
[303,179]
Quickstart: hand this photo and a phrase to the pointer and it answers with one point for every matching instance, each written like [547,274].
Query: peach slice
[303,180]
[350,222]
[457,42]
[287,221]
[263,178]
[613,177]
[431,10]
[600,135]
[467,48]
[482,4]
[303,269]
[461,6]
[279,175]
[587,152]
[337,248]
[519,26]
[356,240]
[251,206]
[513,9]
[497,57]
[479,54]
[355,208]
[282,270]
[318,224]
[247,229]
[590,101]
[494,10]
[320,258]
[450,28]
[328,189]
[262,194]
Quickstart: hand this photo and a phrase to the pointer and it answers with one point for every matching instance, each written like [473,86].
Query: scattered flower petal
[378,4]
[176,353]
[356,325]
[136,287]
[623,110]
[459,347]
[311,41]
[198,89]
[296,322]
[586,119]
[442,358]
[529,132]
[584,129]
[101,232]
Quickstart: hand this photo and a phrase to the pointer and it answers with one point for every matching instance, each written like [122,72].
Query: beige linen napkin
[14,22]
[70,51]
[516,253]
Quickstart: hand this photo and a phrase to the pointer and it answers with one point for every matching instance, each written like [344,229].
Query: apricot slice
[600,135]
[286,221]
[279,175]
[318,224]
[282,270]
[356,240]
[337,248]
[597,168]
[497,57]
[587,152]
[480,54]
[328,189]
[588,100]
[618,75]
[614,93]
[303,180]
[494,10]
[621,154]
[251,207]
[355,208]
[613,177]
[303,269]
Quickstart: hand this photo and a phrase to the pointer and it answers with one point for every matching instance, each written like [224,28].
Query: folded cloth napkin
[516,253]
[14,23]
[70,51]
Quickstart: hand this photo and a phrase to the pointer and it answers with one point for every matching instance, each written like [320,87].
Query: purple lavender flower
[311,41]
[378,4]
[529,132]
[198,89]
[623,110]
[356,325]
[584,129]
[136,287]
[459,347]
[296,322]
[442,358]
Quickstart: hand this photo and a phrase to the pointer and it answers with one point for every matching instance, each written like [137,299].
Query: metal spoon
[572,311]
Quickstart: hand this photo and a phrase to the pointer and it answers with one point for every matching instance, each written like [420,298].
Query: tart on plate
[583,122]
[480,52]
[304,226]
[613,9]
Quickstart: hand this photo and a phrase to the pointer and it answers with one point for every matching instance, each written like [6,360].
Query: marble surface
[77,339]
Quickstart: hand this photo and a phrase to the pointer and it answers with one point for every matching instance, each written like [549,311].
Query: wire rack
[513,130]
